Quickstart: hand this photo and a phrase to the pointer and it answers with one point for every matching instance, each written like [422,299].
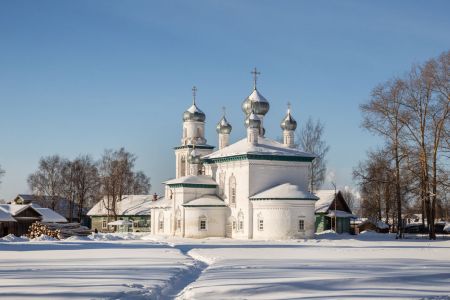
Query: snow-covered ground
[146,267]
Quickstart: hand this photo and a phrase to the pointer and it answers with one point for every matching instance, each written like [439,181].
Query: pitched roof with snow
[130,205]
[206,201]
[13,209]
[265,147]
[192,180]
[161,203]
[50,216]
[285,191]
[6,216]
[326,198]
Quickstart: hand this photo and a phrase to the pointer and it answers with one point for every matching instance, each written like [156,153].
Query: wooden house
[332,212]
[17,218]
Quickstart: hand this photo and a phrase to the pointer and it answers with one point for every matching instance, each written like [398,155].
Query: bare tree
[426,118]
[81,184]
[118,178]
[382,116]
[139,185]
[311,140]
[47,181]
[375,179]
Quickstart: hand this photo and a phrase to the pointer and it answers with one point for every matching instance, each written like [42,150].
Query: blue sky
[81,76]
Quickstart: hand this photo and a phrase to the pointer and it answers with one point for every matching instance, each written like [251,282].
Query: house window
[234,225]
[232,184]
[178,224]
[260,225]
[161,225]
[104,223]
[202,223]
[301,225]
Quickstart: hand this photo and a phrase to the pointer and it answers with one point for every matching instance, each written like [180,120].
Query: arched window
[161,221]
[260,222]
[202,223]
[178,220]
[232,191]
[240,221]
[183,166]
[199,132]
[221,183]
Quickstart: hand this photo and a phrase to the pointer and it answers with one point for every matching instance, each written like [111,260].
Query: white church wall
[214,218]
[267,174]
[281,218]
[239,169]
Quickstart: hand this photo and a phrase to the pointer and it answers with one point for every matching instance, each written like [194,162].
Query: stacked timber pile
[57,230]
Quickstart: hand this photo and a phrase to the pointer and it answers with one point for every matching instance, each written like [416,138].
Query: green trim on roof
[192,185]
[249,156]
[257,199]
[192,146]
[187,205]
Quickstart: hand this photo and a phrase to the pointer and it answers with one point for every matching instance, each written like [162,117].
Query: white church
[256,188]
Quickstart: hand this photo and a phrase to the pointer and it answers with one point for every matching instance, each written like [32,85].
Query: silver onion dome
[256,103]
[288,122]
[193,113]
[194,157]
[223,126]
[252,121]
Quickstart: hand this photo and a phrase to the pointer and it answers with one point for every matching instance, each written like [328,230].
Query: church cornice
[196,147]
[249,156]
[193,185]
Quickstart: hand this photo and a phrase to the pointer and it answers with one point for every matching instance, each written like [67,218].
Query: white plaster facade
[256,188]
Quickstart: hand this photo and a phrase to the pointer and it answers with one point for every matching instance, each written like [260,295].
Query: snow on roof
[161,203]
[130,205]
[447,227]
[382,225]
[265,146]
[6,216]
[206,200]
[284,191]
[340,214]
[192,179]
[13,209]
[50,216]
[326,198]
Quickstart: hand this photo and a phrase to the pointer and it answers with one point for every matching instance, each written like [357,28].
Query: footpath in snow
[145,267]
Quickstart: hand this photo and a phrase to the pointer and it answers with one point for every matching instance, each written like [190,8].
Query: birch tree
[311,140]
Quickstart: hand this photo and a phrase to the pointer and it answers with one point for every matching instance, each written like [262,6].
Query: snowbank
[13,238]
[44,238]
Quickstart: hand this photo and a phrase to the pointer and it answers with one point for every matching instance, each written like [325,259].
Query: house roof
[6,216]
[161,203]
[206,200]
[265,146]
[286,191]
[50,216]
[130,205]
[62,205]
[192,180]
[326,198]
[14,209]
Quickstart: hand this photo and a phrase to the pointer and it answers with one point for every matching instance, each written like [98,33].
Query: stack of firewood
[58,230]
[37,229]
